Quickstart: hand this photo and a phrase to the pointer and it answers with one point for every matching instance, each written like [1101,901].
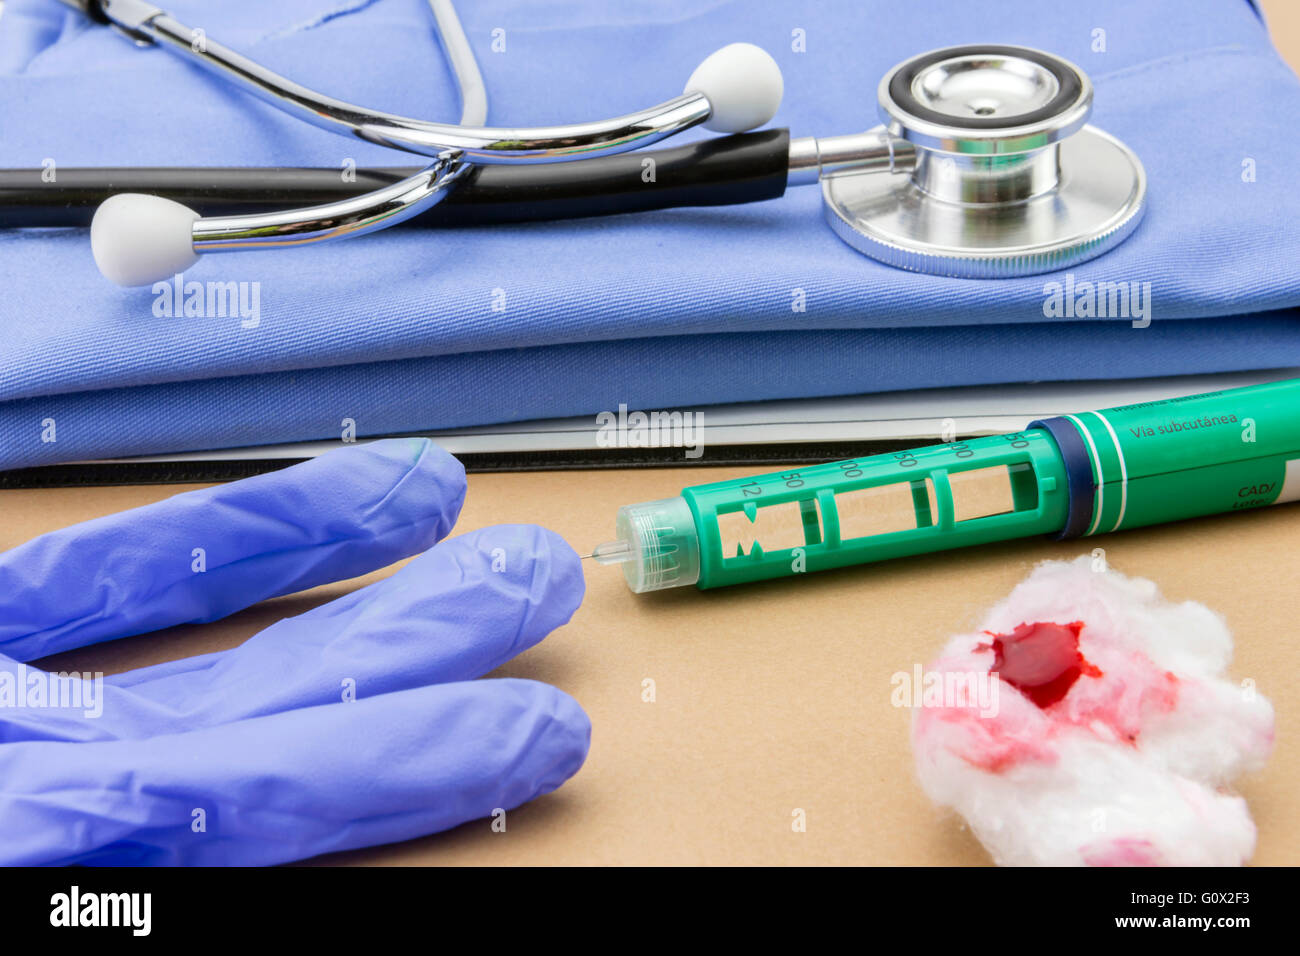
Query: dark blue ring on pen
[1078,474]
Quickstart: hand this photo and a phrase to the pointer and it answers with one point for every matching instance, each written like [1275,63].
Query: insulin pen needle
[611,552]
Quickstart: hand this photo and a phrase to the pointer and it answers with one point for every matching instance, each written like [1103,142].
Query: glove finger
[292,785]
[454,613]
[204,554]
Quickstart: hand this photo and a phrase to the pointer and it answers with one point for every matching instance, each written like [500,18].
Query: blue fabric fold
[384,398]
[1194,86]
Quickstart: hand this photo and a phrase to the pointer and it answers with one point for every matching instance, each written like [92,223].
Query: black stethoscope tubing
[726,170]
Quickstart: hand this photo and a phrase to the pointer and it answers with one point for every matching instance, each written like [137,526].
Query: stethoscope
[985,165]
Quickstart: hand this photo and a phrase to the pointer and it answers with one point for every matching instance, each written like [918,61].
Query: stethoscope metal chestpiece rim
[984,99]
[1003,177]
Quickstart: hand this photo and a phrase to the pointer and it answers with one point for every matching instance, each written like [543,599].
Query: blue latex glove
[253,755]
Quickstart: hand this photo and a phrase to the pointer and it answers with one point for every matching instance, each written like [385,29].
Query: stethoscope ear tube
[727,170]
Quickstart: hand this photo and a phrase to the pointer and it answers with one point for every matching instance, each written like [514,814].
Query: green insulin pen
[1075,475]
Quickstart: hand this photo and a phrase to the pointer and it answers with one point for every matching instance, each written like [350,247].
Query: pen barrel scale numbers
[1074,475]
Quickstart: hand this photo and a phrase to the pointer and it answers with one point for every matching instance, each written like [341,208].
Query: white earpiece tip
[139,240]
[743,84]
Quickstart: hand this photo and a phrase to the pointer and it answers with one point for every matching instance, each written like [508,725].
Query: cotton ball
[1109,734]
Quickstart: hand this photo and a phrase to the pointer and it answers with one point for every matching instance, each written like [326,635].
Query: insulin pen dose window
[996,490]
[885,509]
[776,527]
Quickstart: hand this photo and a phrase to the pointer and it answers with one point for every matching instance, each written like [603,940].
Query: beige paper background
[774,697]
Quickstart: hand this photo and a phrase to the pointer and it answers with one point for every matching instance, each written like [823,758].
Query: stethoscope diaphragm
[999,175]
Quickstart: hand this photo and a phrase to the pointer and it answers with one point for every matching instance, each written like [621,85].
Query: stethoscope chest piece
[995,174]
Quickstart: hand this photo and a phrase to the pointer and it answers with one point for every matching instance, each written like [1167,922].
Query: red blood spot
[1041,660]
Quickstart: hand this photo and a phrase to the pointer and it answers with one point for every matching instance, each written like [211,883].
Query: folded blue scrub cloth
[416,329]
[356,723]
